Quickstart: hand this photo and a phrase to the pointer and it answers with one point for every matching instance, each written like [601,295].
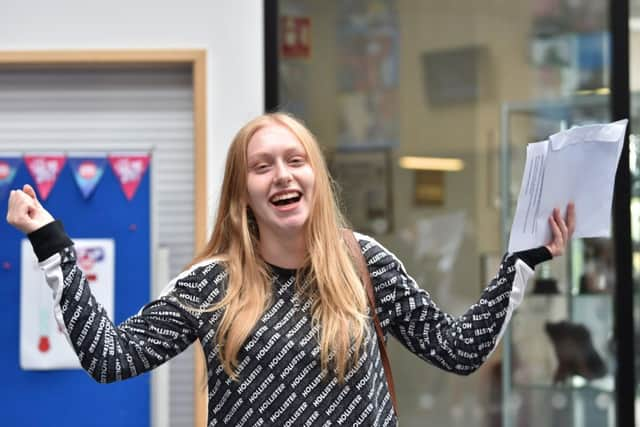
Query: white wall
[230,31]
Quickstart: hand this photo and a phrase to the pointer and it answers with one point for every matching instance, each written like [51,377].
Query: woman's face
[280,181]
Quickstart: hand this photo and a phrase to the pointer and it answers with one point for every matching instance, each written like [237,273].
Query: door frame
[194,58]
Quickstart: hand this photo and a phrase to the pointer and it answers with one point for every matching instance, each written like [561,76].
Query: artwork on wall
[429,187]
[454,76]
[570,62]
[367,73]
[295,51]
[365,176]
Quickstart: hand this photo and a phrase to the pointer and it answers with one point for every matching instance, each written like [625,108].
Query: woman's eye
[261,167]
[297,161]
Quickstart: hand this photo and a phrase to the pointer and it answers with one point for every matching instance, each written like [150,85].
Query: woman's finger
[561,224]
[557,243]
[571,218]
[29,191]
[12,202]
[557,232]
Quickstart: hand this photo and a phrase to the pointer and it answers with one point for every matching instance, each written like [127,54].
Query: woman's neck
[283,251]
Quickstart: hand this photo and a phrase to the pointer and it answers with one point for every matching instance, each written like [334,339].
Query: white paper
[577,165]
[43,345]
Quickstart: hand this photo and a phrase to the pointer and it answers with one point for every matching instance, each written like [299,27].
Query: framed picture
[429,188]
[363,179]
[455,76]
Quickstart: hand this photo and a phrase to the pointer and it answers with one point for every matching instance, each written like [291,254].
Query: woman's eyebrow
[295,150]
[259,156]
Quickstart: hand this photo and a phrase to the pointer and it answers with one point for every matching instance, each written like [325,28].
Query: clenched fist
[25,211]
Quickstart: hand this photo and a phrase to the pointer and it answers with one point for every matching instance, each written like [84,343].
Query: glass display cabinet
[559,354]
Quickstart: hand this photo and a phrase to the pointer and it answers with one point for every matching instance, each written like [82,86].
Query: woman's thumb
[29,191]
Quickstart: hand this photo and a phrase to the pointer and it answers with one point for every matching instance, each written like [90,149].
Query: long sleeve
[161,330]
[458,345]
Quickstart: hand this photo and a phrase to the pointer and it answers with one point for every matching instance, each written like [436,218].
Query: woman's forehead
[273,139]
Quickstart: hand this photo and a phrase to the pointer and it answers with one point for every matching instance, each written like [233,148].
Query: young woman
[275,297]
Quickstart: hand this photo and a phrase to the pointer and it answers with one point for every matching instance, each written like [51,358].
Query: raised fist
[25,211]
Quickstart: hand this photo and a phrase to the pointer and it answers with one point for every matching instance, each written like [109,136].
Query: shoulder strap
[358,257]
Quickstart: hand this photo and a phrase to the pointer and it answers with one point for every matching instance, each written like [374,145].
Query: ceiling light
[432,163]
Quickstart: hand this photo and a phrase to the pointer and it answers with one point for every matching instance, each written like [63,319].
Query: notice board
[70,397]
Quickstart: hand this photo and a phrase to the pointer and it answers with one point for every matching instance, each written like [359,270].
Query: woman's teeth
[285,198]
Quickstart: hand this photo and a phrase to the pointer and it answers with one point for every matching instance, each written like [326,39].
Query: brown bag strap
[356,253]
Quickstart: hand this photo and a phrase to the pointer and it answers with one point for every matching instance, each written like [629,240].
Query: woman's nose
[283,174]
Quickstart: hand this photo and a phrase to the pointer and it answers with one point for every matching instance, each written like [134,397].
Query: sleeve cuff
[533,257]
[49,240]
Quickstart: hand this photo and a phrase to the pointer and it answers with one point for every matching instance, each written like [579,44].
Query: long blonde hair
[339,299]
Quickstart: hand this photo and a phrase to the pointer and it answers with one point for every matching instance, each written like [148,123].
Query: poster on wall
[366,177]
[43,345]
[367,74]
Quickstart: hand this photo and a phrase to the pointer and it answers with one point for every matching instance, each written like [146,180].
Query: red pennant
[44,170]
[129,170]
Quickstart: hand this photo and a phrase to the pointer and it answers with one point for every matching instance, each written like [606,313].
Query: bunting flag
[44,170]
[87,172]
[8,167]
[129,169]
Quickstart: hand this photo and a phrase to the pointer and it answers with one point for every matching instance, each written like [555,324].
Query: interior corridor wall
[231,33]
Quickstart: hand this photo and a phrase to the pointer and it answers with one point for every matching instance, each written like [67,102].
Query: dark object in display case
[599,271]
[591,283]
[545,286]
[574,349]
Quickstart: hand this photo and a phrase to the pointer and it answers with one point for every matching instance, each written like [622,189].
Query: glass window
[413,103]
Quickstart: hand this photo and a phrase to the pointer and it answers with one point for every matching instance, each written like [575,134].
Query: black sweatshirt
[280,378]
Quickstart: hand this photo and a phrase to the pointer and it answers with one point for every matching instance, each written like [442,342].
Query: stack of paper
[577,165]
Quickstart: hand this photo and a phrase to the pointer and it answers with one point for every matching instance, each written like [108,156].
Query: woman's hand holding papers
[561,229]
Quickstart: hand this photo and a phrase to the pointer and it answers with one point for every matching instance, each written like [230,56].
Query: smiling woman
[276,300]
[288,218]
[280,184]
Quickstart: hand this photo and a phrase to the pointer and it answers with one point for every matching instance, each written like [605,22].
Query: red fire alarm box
[295,37]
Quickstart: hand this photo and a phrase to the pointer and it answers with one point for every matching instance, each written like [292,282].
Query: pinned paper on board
[43,343]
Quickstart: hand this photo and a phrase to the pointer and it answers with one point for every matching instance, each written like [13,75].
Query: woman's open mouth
[285,198]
